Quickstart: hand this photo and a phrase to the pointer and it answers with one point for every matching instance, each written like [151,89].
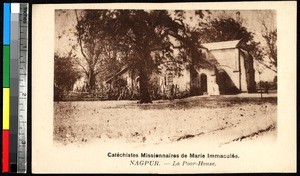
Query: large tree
[141,39]
[227,29]
[96,50]
[81,38]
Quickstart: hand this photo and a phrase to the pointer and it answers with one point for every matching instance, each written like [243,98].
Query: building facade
[231,72]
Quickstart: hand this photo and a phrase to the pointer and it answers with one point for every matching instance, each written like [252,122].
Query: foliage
[229,29]
[108,40]
[267,85]
[91,51]
[224,30]
[269,52]
[138,38]
[65,75]
[143,40]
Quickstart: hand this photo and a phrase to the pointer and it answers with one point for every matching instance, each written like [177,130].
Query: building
[230,72]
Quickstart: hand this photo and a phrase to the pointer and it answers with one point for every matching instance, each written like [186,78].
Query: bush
[65,75]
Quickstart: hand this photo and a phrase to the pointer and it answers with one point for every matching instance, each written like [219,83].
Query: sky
[65,22]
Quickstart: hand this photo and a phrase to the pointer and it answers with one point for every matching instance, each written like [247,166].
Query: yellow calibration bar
[6,103]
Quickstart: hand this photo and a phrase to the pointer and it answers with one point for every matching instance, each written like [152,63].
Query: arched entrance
[226,86]
[203,82]
[222,81]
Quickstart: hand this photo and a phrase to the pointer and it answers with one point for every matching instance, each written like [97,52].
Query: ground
[220,120]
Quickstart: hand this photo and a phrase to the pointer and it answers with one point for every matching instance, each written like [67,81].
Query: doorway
[203,82]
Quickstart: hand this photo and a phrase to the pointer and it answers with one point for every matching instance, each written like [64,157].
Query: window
[169,79]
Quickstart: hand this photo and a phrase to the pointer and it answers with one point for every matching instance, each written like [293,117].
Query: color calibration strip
[14,82]
[6,87]
[15,63]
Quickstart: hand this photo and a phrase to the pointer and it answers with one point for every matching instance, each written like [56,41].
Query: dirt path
[219,120]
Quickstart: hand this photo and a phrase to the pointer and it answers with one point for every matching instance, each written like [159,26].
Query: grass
[205,102]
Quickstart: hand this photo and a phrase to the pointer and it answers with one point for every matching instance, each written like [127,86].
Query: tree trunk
[194,76]
[91,81]
[144,79]
[194,88]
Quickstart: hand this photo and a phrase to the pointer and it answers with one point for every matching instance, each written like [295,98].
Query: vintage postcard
[164,88]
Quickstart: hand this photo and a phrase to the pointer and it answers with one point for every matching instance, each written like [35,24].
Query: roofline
[222,49]
[237,45]
[240,42]
[118,73]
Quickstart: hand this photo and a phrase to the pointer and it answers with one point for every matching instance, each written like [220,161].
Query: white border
[46,158]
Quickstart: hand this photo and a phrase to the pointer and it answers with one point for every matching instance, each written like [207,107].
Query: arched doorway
[226,85]
[222,81]
[203,82]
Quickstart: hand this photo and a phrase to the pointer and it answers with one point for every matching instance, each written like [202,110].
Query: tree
[137,38]
[141,39]
[81,38]
[65,75]
[269,52]
[93,45]
[268,49]
[145,32]
[228,29]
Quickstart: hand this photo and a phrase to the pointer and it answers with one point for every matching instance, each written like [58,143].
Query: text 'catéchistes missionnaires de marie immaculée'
[171,155]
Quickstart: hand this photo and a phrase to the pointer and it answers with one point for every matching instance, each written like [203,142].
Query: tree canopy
[225,29]
[107,40]
[139,38]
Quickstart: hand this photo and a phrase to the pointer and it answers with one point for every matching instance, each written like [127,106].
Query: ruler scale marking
[23,87]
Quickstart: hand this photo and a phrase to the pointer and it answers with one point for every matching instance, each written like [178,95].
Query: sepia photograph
[163,76]
[164,87]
